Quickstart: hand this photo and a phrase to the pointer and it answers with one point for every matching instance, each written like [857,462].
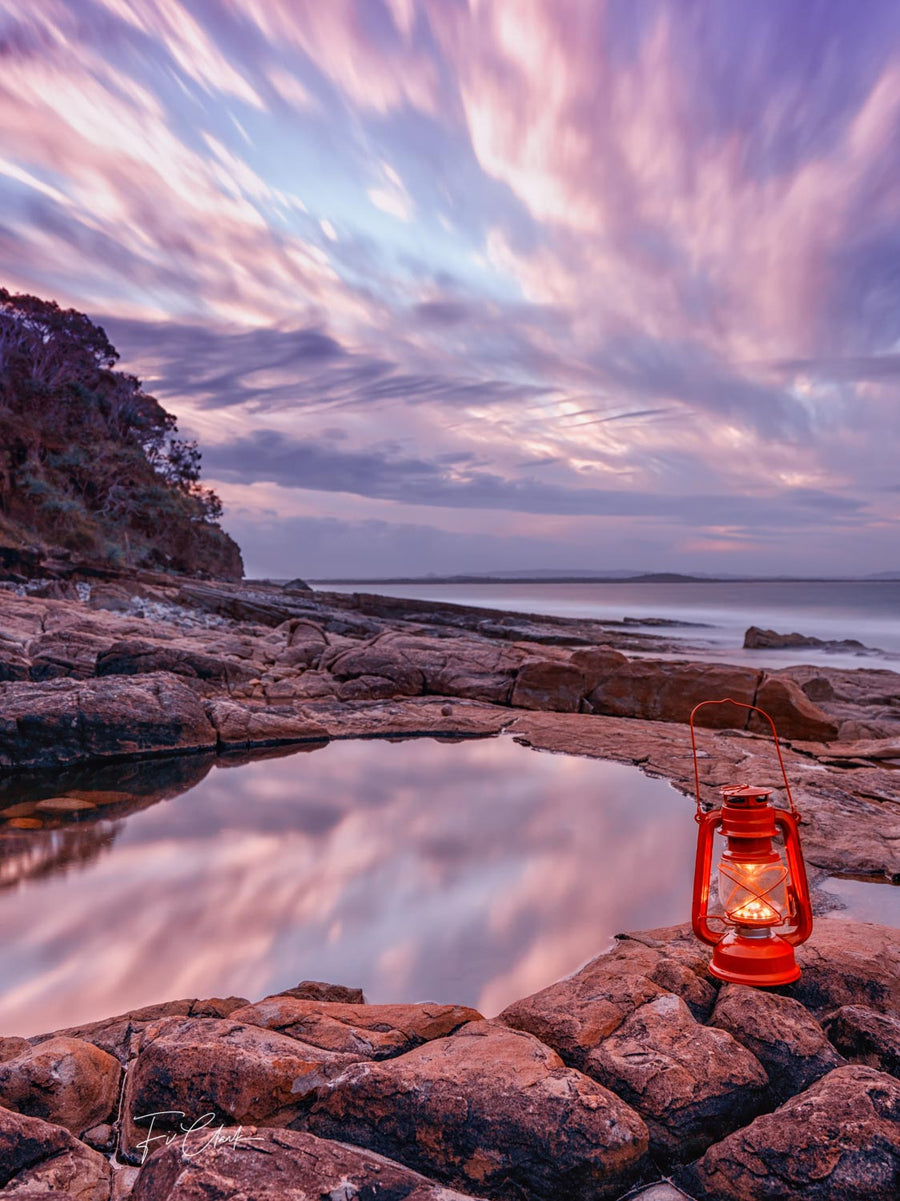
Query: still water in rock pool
[473,872]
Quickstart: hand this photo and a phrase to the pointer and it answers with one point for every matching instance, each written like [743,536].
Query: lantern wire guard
[763,893]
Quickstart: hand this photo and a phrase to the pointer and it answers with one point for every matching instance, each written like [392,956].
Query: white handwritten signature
[220,1135]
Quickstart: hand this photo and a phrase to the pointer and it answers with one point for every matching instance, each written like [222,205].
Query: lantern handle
[727,700]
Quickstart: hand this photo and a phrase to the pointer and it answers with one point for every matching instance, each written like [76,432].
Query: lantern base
[762,962]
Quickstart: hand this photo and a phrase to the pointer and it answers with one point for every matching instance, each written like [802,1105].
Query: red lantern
[761,885]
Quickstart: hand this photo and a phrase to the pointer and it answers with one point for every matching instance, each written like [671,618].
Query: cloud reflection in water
[473,872]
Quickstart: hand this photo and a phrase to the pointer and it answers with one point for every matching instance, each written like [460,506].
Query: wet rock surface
[638,1067]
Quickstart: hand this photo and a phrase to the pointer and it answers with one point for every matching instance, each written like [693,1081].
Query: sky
[448,286]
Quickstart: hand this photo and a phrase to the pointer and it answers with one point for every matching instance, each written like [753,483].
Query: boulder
[278,1165]
[548,684]
[794,714]
[122,1035]
[690,1083]
[864,1036]
[64,1080]
[785,1038]
[661,691]
[319,990]
[759,639]
[491,1111]
[364,1031]
[838,1141]
[238,1073]
[238,726]
[11,1046]
[848,963]
[574,1015]
[38,1159]
[63,721]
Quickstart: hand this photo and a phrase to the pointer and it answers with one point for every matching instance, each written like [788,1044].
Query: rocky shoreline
[638,1076]
[108,669]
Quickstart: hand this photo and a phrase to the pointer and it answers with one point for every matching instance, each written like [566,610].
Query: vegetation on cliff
[88,461]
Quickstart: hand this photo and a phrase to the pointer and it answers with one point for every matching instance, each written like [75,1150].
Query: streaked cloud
[647,252]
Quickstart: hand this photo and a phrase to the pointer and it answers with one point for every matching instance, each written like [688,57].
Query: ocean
[868,611]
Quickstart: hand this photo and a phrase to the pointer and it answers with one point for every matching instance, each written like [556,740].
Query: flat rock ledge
[638,1076]
[145,666]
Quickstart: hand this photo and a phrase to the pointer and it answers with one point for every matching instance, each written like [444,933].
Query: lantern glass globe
[753,893]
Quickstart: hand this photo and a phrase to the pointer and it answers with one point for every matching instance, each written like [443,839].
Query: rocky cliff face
[89,463]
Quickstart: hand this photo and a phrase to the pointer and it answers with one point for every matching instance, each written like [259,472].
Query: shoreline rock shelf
[144,665]
[638,1069]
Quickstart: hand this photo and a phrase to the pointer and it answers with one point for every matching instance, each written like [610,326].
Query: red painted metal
[752,948]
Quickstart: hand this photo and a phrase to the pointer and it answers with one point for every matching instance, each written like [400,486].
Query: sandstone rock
[548,684]
[690,1083]
[297,585]
[597,663]
[134,656]
[759,639]
[848,963]
[237,725]
[63,721]
[122,1035]
[64,1080]
[784,1037]
[38,1159]
[491,1111]
[279,1165]
[66,652]
[12,1046]
[794,714]
[319,990]
[662,691]
[863,748]
[239,1073]
[838,1141]
[364,1031]
[110,596]
[866,1037]
[574,1015]
[384,665]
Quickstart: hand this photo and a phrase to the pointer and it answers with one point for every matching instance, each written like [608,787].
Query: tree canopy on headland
[88,460]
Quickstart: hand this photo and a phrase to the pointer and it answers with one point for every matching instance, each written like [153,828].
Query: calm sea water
[840,609]
[474,872]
